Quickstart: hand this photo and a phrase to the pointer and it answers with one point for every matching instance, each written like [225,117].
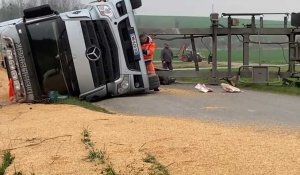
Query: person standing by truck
[148,49]
[166,57]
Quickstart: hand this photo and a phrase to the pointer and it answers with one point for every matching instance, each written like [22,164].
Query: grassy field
[191,22]
[267,56]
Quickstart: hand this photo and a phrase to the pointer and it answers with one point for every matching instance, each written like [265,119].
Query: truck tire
[153,82]
[166,80]
[136,3]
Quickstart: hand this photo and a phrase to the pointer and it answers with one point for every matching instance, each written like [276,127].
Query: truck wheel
[166,80]
[153,82]
[136,3]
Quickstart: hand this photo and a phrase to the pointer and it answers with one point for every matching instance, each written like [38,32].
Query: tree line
[12,9]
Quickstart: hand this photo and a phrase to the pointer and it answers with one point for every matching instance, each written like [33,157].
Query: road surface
[182,100]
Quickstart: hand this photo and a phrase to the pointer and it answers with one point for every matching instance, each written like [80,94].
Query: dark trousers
[167,65]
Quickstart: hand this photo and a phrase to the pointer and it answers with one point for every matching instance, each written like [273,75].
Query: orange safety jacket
[149,47]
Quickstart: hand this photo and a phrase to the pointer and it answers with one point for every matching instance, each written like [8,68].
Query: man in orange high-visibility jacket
[148,48]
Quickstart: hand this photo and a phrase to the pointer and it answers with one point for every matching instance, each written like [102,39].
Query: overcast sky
[204,7]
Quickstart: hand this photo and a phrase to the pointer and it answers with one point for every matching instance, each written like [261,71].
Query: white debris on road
[203,88]
[229,88]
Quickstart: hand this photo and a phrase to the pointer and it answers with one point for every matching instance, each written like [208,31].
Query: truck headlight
[106,11]
[17,85]
[124,85]
[14,75]
[11,64]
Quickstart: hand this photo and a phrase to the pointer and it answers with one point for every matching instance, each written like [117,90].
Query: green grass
[191,80]
[156,167]
[272,88]
[171,21]
[267,56]
[177,65]
[87,139]
[96,155]
[6,161]
[109,170]
[149,158]
[181,65]
[82,103]
[144,21]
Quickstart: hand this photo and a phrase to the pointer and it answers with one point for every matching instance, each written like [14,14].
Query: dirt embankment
[46,139]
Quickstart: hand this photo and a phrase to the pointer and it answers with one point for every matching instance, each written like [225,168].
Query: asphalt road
[182,100]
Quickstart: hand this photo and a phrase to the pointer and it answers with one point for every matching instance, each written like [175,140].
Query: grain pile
[46,139]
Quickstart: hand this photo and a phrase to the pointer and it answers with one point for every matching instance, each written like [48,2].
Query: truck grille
[106,69]
[131,60]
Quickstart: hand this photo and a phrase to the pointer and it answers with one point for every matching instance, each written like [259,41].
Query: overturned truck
[90,53]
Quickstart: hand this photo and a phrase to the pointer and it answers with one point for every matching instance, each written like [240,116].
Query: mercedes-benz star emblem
[93,53]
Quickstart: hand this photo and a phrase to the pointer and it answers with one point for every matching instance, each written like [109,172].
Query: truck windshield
[44,42]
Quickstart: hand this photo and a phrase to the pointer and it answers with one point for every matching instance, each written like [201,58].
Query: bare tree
[63,6]
[11,9]
[31,3]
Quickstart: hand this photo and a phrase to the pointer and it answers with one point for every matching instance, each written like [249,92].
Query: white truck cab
[90,53]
